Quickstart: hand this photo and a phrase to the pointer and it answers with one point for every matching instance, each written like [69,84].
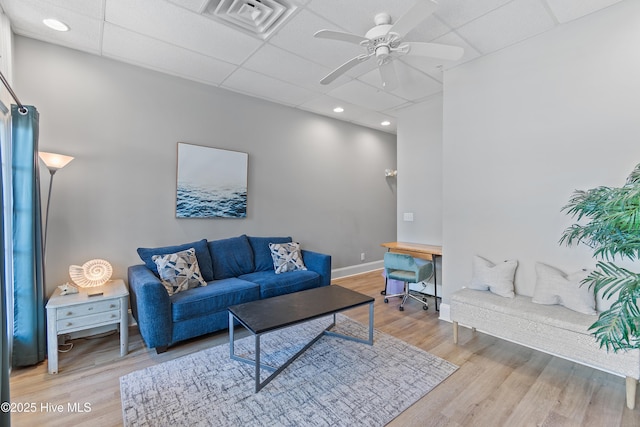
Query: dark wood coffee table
[271,314]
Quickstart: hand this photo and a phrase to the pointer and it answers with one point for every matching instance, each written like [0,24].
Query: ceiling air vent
[256,17]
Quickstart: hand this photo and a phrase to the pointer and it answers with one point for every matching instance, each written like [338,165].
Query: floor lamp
[53,162]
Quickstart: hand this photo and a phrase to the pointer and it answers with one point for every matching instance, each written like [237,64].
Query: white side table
[76,312]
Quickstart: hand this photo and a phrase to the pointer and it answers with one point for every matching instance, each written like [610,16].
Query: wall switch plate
[362,256]
[408,216]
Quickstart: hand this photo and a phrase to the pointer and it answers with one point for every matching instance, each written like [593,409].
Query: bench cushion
[551,329]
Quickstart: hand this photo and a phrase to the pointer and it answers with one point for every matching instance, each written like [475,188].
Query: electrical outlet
[408,216]
[362,256]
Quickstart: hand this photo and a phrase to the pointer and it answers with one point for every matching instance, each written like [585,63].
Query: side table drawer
[88,321]
[85,309]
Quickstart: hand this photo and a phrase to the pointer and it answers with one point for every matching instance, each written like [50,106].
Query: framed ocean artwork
[211,182]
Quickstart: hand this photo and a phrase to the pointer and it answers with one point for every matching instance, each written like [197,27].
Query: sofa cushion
[286,257]
[179,271]
[202,253]
[216,296]
[272,284]
[231,257]
[261,253]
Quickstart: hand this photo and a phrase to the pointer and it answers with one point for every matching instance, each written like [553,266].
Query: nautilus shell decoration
[96,272]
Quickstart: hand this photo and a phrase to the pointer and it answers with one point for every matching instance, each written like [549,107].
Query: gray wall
[524,128]
[316,179]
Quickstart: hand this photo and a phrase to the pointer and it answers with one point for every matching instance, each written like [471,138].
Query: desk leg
[435,280]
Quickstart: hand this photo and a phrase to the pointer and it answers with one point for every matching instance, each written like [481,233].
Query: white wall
[419,177]
[524,128]
[420,172]
[316,179]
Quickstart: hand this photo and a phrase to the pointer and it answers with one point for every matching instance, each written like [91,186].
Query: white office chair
[404,268]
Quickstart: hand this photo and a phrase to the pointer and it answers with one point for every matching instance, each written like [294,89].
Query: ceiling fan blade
[435,50]
[343,69]
[389,76]
[341,36]
[418,13]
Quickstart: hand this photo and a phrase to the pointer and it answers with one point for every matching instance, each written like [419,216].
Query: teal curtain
[29,332]
[5,417]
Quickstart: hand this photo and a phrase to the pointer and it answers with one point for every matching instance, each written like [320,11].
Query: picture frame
[211,182]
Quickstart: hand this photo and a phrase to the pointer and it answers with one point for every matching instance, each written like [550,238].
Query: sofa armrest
[320,263]
[151,306]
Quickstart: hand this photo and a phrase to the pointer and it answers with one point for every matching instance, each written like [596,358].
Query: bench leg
[631,392]
[455,332]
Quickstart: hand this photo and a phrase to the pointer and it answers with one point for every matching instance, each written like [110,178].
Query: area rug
[336,382]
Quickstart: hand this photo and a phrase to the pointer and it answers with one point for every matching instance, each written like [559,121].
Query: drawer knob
[69,313]
[112,306]
[69,324]
[113,316]
[90,308]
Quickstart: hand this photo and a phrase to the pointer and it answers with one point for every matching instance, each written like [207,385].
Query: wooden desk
[417,250]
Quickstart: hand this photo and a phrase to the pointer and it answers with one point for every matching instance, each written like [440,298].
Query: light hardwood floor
[498,383]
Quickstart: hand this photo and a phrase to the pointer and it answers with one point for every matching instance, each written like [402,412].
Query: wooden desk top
[418,250]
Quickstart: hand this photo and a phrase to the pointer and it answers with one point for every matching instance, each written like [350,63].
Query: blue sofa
[237,270]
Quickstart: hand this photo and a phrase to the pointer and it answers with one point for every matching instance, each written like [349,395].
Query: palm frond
[608,221]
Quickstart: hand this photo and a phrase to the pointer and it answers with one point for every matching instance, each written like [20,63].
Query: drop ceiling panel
[356,16]
[428,30]
[89,8]
[193,5]
[173,36]
[413,84]
[297,37]
[435,67]
[366,96]
[507,25]
[325,104]
[279,63]
[150,53]
[85,33]
[256,84]
[176,25]
[456,13]
[352,113]
[568,10]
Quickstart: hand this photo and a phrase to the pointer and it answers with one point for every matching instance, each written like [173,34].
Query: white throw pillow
[555,287]
[497,278]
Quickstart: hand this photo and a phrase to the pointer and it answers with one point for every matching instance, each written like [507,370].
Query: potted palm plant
[608,220]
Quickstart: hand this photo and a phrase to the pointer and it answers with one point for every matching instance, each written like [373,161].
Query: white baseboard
[356,269]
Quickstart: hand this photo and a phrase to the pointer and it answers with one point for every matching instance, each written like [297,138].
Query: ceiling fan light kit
[385,42]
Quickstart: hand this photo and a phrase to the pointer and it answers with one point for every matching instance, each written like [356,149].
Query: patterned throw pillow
[286,257]
[179,271]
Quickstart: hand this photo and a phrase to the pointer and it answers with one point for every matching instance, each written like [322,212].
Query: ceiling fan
[385,42]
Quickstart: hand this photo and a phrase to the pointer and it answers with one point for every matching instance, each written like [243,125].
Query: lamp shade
[54,161]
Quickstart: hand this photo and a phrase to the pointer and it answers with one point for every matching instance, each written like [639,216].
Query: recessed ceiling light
[385,123]
[338,110]
[54,24]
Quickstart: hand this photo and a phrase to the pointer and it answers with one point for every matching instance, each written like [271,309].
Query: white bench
[552,329]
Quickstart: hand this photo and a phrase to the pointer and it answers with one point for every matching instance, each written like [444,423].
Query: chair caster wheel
[386,300]
[424,299]
[401,308]
[425,307]
[383,292]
